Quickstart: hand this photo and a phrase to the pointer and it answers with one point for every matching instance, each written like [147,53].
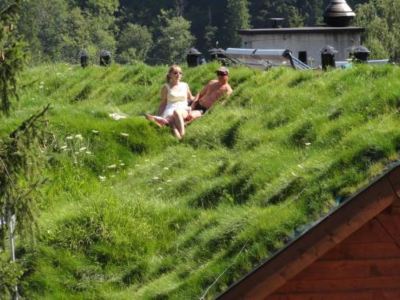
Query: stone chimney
[338,14]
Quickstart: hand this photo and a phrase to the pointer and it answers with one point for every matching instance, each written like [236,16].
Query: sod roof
[131,213]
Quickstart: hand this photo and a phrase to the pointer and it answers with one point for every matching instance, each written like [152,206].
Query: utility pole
[11,227]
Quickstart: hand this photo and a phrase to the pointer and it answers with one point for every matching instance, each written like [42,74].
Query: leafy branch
[12,56]
[20,159]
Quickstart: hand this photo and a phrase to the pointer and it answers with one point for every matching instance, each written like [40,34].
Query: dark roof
[301,30]
[319,239]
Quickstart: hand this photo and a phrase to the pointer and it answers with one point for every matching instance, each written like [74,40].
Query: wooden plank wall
[366,265]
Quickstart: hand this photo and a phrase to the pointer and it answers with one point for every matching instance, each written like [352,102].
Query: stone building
[307,42]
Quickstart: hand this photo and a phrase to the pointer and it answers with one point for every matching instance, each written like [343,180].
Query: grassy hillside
[131,213]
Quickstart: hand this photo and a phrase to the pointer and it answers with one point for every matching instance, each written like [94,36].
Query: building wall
[312,43]
[366,265]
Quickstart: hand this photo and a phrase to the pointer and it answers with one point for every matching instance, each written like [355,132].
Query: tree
[210,33]
[296,19]
[134,43]
[19,173]
[180,7]
[207,22]
[237,17]
[381,19]
[77,37]
[10,274]
[99,22]
[101,7]
[43,25]
[11,55]
[57,30]
[173,39]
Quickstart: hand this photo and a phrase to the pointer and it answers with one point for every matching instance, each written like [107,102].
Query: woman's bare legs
[178,117]
[175,130]
[193,115]
[159,121]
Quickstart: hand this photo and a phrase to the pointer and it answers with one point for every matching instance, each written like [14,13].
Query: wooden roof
[318,240]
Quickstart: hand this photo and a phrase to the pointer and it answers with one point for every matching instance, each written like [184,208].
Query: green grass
[131,213]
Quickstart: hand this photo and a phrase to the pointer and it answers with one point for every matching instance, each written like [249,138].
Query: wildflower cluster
[111,170]
[76,147]
[162,179]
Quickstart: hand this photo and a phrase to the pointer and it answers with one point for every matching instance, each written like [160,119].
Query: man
[210,94]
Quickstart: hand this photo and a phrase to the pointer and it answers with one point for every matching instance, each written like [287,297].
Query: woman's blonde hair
[171,69]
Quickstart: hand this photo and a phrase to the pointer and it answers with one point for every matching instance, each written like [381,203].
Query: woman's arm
[163,103]
[189,95]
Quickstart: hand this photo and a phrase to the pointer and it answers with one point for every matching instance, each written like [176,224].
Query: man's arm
[229,91]
[226,95]
[200,95]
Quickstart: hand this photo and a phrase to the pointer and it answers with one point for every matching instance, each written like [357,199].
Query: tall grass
[131,213]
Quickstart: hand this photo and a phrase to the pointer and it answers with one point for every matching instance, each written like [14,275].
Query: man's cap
[223,70]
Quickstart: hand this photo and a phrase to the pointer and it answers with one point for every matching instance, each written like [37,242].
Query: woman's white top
[176,99]
[177,93]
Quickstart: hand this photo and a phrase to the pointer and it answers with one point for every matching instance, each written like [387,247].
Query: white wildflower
[166,168]
[102,178]
[79,136]
[117,116]
[64,147]
[70,137]
[122,164]
[112,166]
[95,131]
[155,178]
[307,144]
[124,134]
[82,149]
[88,152]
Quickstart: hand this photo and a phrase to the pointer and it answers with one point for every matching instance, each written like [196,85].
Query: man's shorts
[198,106]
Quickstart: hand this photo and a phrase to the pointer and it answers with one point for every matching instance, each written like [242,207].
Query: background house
[307,42]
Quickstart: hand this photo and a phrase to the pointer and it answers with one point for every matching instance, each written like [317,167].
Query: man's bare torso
[213,92]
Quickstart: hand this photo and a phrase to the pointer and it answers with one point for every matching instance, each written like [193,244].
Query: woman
[174,102]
